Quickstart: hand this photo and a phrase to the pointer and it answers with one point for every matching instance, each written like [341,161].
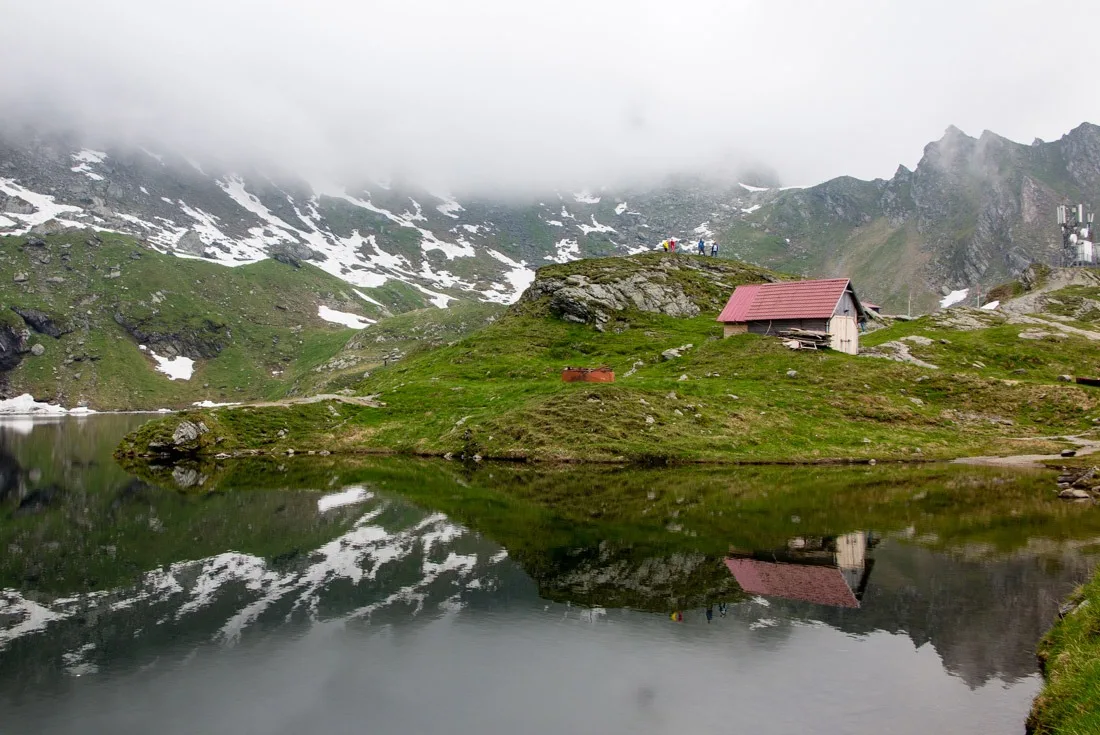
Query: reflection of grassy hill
[108,538]
[654,538]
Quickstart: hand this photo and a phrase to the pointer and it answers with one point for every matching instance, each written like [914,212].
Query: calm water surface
[386,596]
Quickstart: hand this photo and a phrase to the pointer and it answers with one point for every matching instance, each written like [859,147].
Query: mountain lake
[389,595]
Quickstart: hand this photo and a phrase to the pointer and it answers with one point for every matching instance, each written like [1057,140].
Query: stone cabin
[828,306]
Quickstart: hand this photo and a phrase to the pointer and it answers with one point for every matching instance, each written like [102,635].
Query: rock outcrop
[205,341]
[13,345]
[42,322]
[576,298]
[597,291]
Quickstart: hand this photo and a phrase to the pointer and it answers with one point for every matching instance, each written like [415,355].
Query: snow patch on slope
[567,250]
[519,276]
[25,405]
[84,160]
[176,368]
[449,207]
[595,227]
[368,299]
[438,300]
[342,317]
[45,206]
[954,297]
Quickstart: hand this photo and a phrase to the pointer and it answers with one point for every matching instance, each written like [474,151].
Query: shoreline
[1032,461]
[1069,660]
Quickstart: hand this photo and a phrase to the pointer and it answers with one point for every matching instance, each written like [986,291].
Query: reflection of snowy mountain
[388,565]
[394,558]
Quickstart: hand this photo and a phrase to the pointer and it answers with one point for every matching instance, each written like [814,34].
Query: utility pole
[909,309]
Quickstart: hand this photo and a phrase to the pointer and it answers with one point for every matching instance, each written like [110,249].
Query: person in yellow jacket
[664,245]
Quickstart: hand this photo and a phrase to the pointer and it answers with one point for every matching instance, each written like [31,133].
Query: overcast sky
[506,93]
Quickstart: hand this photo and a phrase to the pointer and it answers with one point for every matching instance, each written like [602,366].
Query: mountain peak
[953,132]
[1085,129]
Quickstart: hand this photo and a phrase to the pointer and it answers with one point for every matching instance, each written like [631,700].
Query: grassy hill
[254,330]
[498,392]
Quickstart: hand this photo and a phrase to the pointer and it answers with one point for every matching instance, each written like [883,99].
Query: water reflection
[326,594]
[829,570]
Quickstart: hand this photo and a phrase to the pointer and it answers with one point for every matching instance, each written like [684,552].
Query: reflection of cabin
[828,307]
[588,375]
[826,571]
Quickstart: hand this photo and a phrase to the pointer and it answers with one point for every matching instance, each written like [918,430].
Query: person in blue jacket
[702,247]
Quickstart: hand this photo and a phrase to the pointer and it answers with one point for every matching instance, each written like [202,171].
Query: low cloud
[506,95]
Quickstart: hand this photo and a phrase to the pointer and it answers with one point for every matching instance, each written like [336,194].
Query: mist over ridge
[496,97]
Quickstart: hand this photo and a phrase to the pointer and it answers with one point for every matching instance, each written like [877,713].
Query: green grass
[998,348]
[256,325]
[1078,302]
[1070,653]
[498,393]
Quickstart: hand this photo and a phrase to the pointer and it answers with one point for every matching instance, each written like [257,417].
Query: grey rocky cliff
[13,345]
[599,291]
[577,299]
[205,341]
[42,322]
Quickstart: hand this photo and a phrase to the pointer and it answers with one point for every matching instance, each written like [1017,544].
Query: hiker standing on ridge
[672,246]
[702,247]
[714,249]
[664,245]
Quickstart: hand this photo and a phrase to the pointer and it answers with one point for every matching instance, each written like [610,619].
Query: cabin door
[845,334]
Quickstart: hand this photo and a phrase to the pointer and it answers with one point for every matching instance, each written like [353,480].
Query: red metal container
[588,375]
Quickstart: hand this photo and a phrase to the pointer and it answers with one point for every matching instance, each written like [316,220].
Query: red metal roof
[739,304]
[790,300]
[818,584]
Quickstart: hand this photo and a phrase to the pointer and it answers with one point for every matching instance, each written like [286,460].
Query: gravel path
[1084,448]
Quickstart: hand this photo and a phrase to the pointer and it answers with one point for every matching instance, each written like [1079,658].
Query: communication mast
[1077,235]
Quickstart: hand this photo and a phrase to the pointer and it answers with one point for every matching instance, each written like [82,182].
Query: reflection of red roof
[817,584]
[739,304]
[793,300]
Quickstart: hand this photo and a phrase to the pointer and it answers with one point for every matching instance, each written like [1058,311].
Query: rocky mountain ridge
[973,213]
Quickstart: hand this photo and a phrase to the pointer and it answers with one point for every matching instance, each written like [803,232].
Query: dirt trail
[1084,447]
[368,401]
[1052,324]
